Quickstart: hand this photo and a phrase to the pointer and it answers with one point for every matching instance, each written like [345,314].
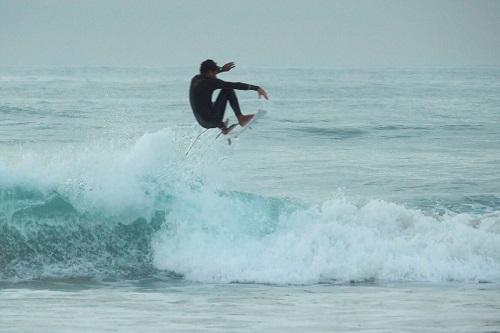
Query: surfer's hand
[227,67]
[262,93]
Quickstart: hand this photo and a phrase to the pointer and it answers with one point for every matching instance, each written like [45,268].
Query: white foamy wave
[112,177]
[175,206]
[222,239]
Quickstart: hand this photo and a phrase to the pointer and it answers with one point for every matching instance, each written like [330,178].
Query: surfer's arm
[220,84]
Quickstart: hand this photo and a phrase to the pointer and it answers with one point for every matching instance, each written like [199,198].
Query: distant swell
[134,212]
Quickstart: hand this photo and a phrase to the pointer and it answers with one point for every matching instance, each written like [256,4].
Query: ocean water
[366,200]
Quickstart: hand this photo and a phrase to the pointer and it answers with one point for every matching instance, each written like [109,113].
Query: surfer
[210,114]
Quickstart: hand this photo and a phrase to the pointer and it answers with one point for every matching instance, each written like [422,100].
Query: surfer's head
[209,68]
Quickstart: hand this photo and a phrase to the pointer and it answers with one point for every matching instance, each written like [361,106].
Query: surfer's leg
[226,95]
[233,101]
[219,107]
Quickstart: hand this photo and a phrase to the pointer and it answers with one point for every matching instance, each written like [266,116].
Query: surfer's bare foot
[244,119]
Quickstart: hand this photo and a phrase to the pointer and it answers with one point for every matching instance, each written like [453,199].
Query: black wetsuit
[208,114]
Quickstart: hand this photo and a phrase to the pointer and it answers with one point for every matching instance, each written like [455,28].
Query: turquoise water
[381,178]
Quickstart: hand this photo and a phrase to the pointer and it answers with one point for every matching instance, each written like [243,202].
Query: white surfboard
[238,130]
[235,130]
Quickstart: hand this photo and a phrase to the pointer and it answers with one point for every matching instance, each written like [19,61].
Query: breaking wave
[141,209]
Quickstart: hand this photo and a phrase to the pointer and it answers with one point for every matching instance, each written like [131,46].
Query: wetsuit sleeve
[220,84]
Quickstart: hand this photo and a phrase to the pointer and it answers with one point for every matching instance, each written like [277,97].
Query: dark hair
[208,65]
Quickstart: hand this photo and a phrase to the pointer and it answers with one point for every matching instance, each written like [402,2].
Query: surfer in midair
[210,114]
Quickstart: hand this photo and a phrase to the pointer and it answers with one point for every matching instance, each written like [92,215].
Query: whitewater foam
[105,212]
[335,241]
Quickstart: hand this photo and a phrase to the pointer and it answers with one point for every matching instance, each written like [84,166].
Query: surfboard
[237,130]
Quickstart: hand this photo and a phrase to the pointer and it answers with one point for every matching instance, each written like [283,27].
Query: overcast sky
[251,32]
